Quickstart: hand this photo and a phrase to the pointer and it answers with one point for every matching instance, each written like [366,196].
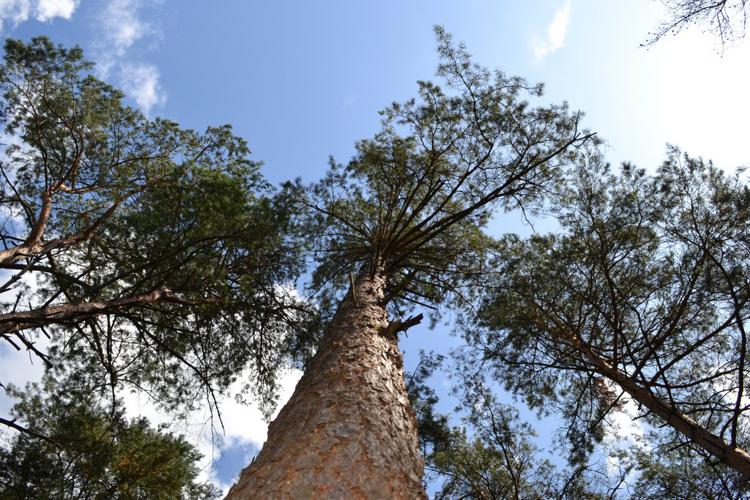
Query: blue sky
[303,80]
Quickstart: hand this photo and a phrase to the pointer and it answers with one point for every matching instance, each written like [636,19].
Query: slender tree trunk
[348,431]
[736,458]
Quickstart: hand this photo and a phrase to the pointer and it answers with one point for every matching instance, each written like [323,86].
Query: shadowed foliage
[93,452]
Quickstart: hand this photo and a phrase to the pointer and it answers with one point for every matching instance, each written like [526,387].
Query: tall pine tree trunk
[348,430]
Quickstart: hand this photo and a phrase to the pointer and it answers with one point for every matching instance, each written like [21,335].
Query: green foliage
[160,258]
[499,461]
[434,428]
[93,453]
[667,472]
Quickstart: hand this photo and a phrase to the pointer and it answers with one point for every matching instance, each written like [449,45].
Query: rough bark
[72,313]
[348,431]
[33,242]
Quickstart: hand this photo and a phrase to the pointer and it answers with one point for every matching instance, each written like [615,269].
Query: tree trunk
[348,430]
[736,458]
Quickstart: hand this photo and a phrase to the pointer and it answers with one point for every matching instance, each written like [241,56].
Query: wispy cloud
[18,11]
[556,33]
[141,82]
[118,27]
[121,25]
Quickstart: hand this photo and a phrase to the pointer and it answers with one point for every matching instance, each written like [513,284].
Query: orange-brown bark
[348,430]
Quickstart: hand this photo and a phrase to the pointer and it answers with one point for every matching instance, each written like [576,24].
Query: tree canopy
[400,226]
[493,455]
[643,297]
[138,253]
[146,254]
[415,197]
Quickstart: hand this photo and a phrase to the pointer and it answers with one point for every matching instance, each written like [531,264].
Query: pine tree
[401,225]
[643,297]
[92,451]
[132,251]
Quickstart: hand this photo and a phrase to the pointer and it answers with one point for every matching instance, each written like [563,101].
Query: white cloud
[623,430]
[121,25]
[20,368]
[49,9]
[18,11]
[556,33]
[141,82]
[712,124]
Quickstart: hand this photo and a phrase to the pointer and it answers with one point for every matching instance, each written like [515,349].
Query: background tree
[146,254]
[401,225]
[727,19]
[93,452]
[434,427]
[497,459]
[493,454]
[643,297]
